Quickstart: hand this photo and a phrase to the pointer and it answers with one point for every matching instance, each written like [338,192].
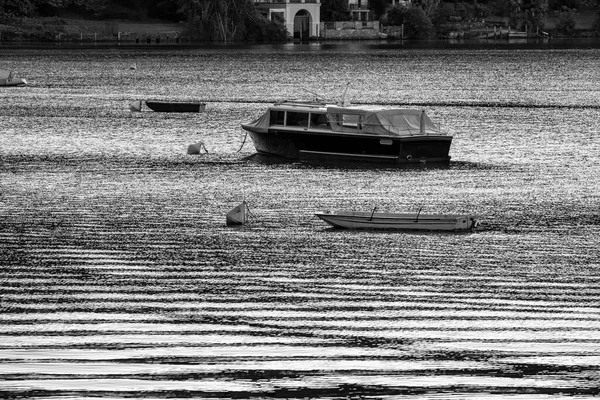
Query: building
[359,10]
[301,17]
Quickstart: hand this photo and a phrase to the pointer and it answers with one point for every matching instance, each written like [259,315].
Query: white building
[301,17]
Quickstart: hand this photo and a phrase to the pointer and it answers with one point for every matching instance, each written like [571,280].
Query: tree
[164,9]
[16,8]
[416,24]
[334,10]
[515,13]
[535,14]
[596,25]
[225,20]
[429,7]
[378,7]
[566,22]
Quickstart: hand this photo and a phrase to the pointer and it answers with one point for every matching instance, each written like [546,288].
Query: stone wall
[350,30]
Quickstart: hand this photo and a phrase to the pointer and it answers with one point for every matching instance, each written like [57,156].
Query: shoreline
[56,30]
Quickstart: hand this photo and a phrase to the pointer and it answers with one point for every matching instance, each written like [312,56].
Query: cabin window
[352,120]
[318,121]
[346,122]
[277,117]
[297,119]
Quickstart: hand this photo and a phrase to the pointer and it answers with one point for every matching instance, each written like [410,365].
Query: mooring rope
[250,212]
[243,142]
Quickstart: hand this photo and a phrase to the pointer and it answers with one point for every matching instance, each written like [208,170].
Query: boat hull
[13,82]
[333,146]
[163,106]
[395,221]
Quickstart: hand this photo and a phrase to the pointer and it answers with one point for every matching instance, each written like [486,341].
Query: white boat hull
[396,221]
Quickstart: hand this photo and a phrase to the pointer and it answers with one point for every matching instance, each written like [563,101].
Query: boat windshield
[297,119]
[277,117]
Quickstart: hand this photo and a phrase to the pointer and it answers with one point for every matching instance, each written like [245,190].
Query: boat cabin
[295,115]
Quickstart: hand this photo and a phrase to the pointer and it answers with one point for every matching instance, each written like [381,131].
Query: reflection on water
[119,277]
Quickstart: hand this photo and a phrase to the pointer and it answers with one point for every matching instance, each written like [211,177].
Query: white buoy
[135,105]
[197,148]
[238,215]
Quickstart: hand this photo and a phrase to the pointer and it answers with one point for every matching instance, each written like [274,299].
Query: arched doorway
[302,23]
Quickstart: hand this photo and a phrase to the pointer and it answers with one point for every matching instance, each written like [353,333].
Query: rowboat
[315,131]
[399,221]
[6,79]
[238,215]
[176,106]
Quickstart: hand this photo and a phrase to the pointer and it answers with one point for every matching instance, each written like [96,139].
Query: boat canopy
[380,121]
[364,119]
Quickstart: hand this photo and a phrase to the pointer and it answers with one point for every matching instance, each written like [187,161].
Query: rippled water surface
[119,278]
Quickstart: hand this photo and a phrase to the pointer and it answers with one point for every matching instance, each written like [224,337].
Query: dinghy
[6,79]
[238,215]
[176,106]
[399,221]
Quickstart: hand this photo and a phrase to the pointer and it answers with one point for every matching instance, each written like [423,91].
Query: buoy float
[197,148]
[135,106]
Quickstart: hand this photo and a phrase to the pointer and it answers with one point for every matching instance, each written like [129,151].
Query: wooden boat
[176,106]
[326,132]
[238,215]
[398,221]
[6,79]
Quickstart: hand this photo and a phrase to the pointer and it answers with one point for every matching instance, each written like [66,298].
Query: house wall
[315,16]
[290,9]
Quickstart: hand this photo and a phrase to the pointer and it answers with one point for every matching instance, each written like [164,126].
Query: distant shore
[55,30]
[77,30]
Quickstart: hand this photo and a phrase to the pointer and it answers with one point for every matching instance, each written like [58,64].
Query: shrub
[416,24]
[566,23]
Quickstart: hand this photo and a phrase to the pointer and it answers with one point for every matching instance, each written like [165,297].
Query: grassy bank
[72,30]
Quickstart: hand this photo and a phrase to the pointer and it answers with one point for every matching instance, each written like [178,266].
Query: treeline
[207,20]
[229,20]
[239,20]
[96,9]
[423,19]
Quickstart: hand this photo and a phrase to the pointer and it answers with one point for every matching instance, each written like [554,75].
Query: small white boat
[399,221]
[238,215]
[6,79]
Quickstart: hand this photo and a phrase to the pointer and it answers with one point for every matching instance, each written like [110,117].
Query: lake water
[119,278]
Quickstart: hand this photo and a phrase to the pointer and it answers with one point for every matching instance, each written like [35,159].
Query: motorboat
[399,221]
[7,79]
[176,106]
[312,130]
